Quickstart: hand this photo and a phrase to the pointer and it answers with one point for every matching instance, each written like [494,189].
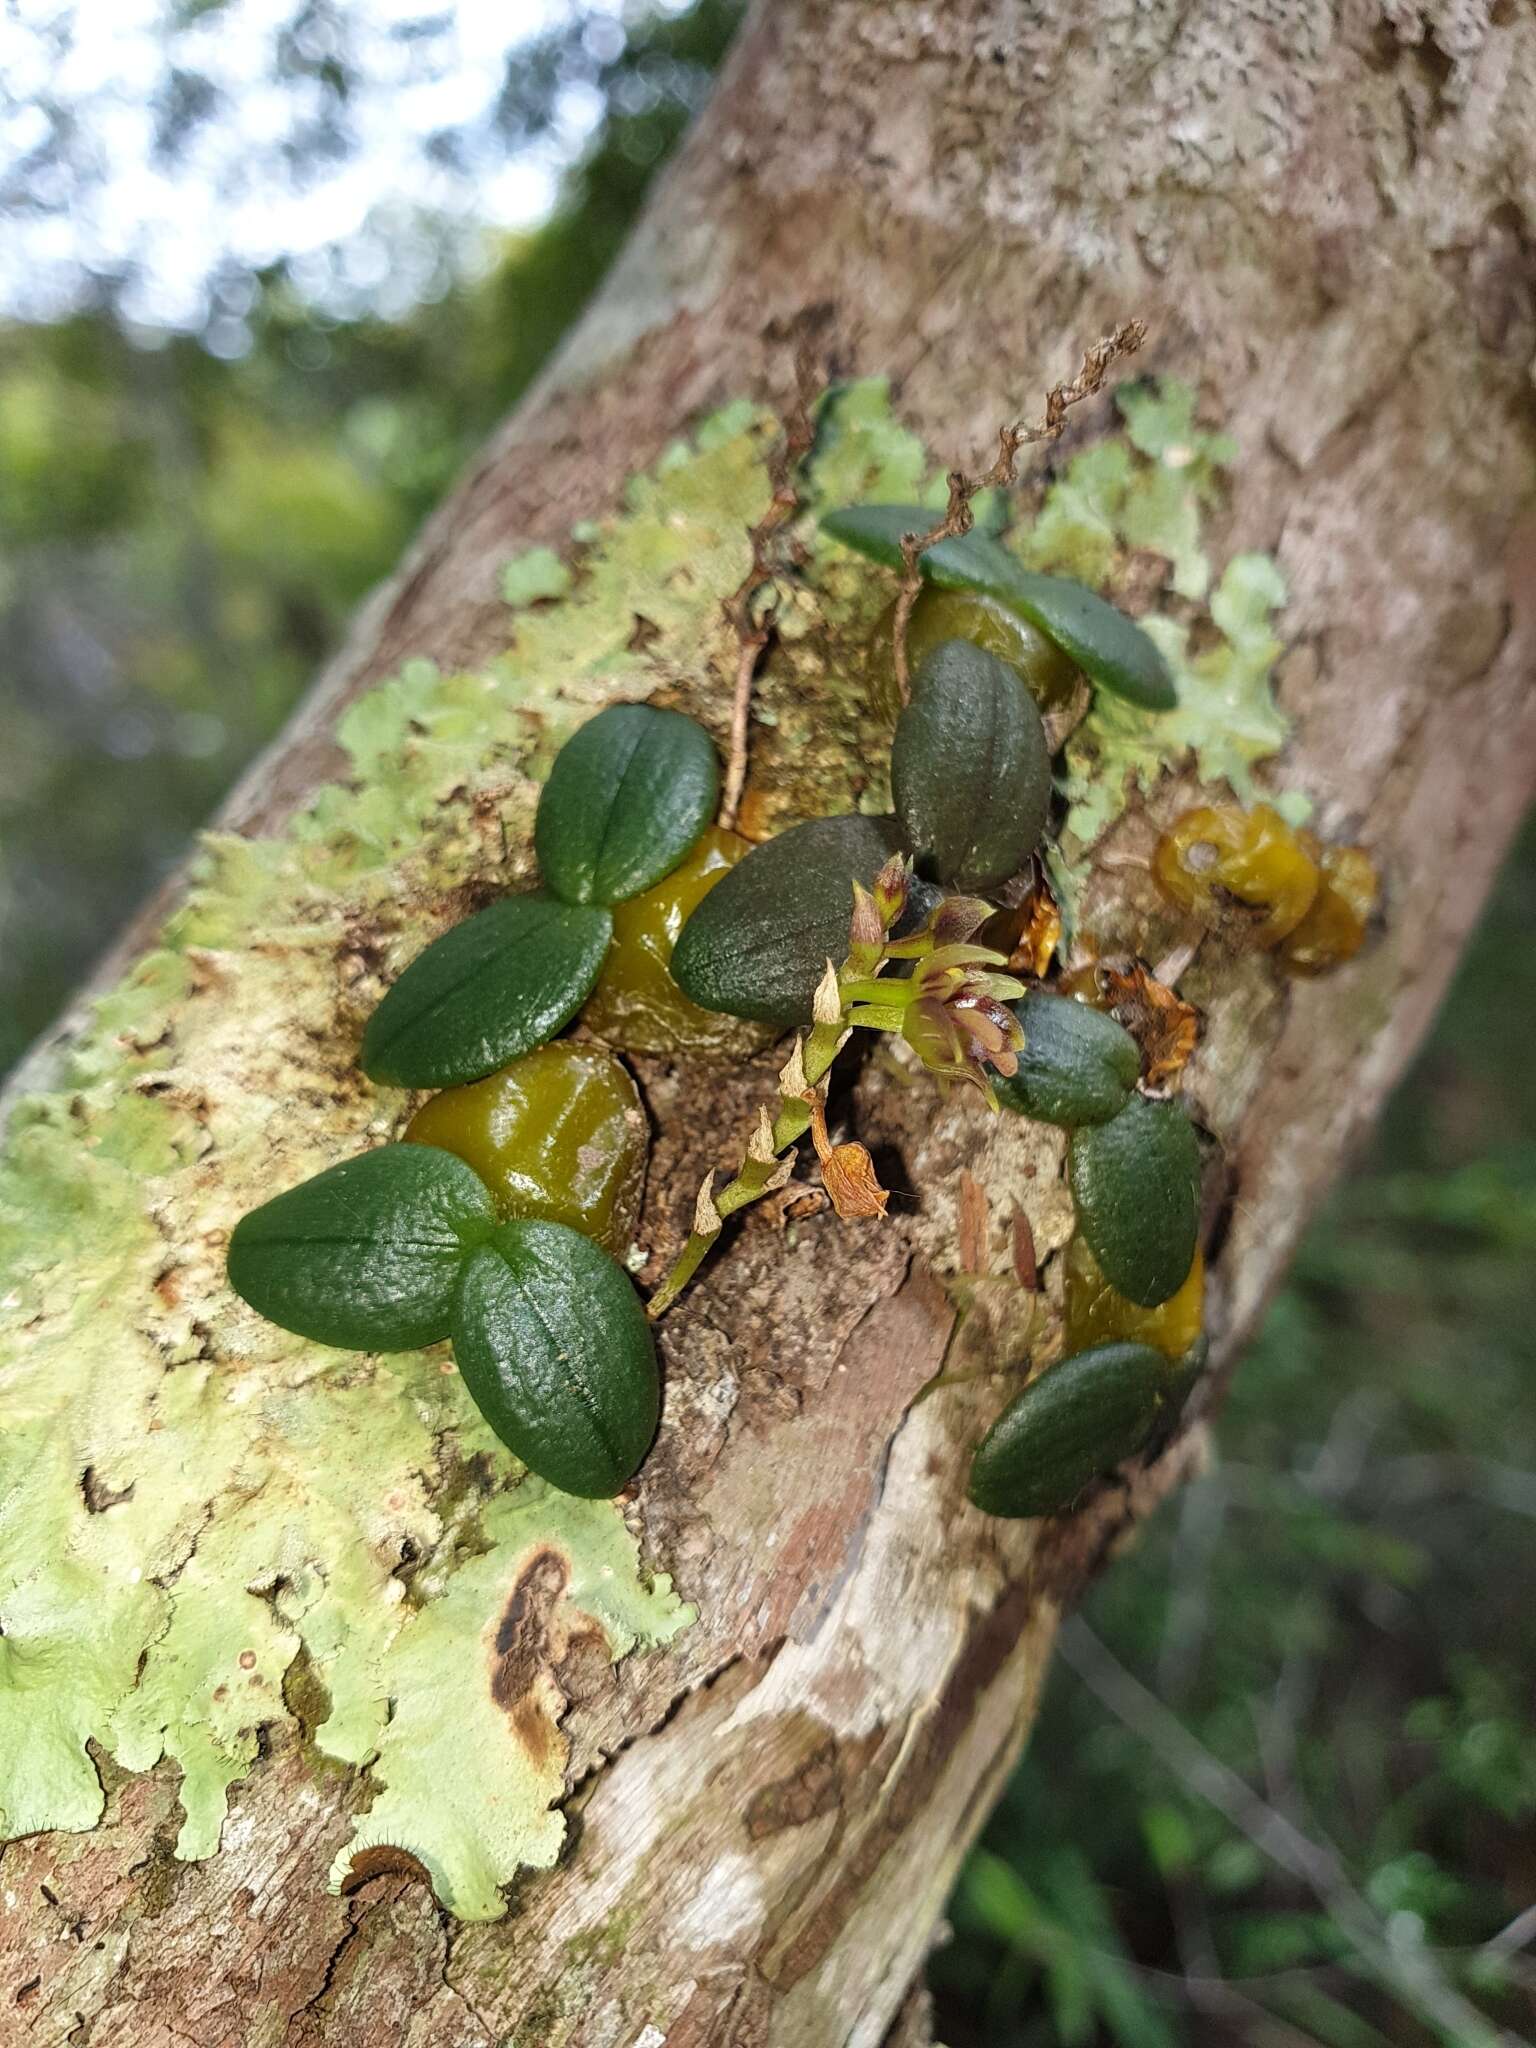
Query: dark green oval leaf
[493,987]
[1108,647]
[1078,1065]
[1079,1419]
[1105,644]
[366,1255]
[555,1349]
[627,796]
[1136,1183]
[760,941]
[970,561]
[970,768]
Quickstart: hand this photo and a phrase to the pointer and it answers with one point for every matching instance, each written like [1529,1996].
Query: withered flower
[847,1171]
[1029,932]
[1162,1023]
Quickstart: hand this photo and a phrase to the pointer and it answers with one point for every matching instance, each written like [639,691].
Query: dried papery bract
[706,1217]
[827,1004]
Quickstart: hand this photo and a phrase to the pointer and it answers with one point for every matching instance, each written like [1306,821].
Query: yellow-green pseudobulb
[559,1137]
[1050,675]
[636,1005]
[1096,1313]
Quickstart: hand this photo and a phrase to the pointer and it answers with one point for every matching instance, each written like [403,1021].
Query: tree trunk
[1326,214]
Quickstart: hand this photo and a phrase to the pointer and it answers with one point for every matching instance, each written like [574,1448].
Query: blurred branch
[1201,1518]
[1409,1974]
[1412,1479]
[1431,1475]
[1335,1472]
[1511,1939]
[1220,1997]
[1342,1457]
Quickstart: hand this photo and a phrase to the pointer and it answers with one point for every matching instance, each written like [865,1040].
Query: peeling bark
[1327,215]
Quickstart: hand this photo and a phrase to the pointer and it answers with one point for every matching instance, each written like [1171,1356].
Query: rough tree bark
[1327,215]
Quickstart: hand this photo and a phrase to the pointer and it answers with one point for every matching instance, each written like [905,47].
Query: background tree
[206,460]
[1344,496]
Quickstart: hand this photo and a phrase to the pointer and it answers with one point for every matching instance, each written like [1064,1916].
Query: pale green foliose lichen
[189,1496]
[1226,719]
[1108,500]
[190,1499]
[1151,491]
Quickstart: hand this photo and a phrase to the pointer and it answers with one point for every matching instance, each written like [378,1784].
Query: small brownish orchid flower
[952,1009]
[959,1022]
[960,1035]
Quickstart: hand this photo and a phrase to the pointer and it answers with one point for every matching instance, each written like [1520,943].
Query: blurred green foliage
[1338,1613]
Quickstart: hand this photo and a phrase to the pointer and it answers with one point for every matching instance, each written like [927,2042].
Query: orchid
[952,1009]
